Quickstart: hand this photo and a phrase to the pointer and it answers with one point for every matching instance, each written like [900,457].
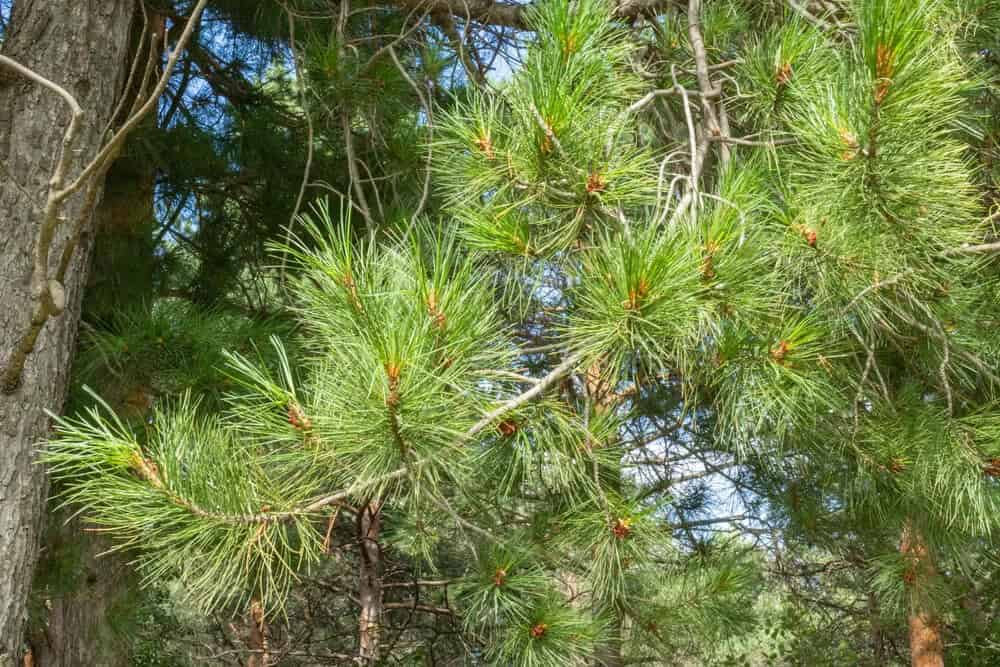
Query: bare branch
[146,108]
[430,128]
[48,290]
[300,80]
[42,81]
[513,14]
[704,78]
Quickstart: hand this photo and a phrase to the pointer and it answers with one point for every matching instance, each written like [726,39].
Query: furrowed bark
[77,629]
[81,45]
[926,647]
[875,630]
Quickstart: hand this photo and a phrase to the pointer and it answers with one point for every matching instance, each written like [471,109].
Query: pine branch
[514,15]
[543,384]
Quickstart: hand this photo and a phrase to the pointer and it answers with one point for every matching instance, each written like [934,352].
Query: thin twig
[971,249]
[48,292]
[430,143]
[704,78]
[300,80]
[132,69]
[148,107]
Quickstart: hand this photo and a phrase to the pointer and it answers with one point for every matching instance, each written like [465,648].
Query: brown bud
[992,467]
[708,261]
[485,146]
[622,528]
[435,312]
[779,353]
[298,419]
[636,295]
[850,142]
[884,67]
[596,183]
[784,74]
[392,372]
[507,427]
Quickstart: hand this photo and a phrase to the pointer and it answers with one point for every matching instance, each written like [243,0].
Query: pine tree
[177,273]
[472,389]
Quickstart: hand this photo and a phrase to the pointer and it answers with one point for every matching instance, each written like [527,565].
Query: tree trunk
[875,630]
[926,645]
[370,583]
[80,45]
[926,648]
[603,399]
[78,628]
[257,637]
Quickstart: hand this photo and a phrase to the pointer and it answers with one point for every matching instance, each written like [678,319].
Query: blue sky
[4,14]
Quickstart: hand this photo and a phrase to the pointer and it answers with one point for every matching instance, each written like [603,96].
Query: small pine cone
[538,630]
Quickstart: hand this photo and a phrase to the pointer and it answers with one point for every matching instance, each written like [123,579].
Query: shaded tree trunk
[370,582]
[80,45]
[875,630]
[78,628]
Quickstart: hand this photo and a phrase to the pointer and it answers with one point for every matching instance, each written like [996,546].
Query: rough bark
[370,583]
[78,628]
[875,630]
[80,45]
[926,647]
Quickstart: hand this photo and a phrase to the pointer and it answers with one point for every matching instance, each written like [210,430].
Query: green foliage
[808,312]
[637,293]
[551,633]
[188,498]
[523,170]
[163,349]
